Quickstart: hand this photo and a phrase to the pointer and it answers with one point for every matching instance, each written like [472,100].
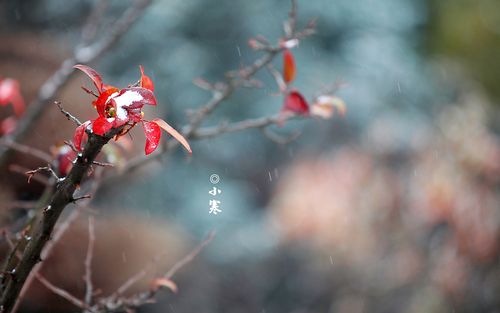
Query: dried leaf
[169,129]
[164,283]
[326,105]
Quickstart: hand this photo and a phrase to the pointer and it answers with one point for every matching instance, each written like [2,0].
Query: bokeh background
[393,208]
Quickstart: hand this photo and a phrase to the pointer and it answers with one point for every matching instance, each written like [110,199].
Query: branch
[68,115]
[61,292]
[42,233]
[82,54]
[23,171]
[57,235]
[220,93]
[88,263]
[39,154]
[47,168]
[114,303]
[224,128]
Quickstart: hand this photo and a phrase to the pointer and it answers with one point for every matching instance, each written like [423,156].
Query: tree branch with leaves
[118,111]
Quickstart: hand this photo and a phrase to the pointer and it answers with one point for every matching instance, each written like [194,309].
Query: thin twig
[94,20]
[103,164]
[114,303]
[261,122]
[47,168]
[68,115]
[291,24]
[277,77]
[19,204]
[189,257]
[22,170]
[136,277]
[61,292]
[39,154]
[75,199]
[88,263]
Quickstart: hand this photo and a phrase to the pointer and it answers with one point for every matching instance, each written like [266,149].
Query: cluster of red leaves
[123,108]
[10,93]
[324,106]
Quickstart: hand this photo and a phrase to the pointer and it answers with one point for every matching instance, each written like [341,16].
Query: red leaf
[10,93]
[106,87]
[135,97]
[101,125]
[289,69]
[153,135]
[146,81]
[64,156]
[80,135]
[169,129]
[101,102]
[295,102]
[96,77]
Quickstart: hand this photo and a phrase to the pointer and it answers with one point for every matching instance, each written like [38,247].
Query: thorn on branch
[71,145]
[75,199]
[47,168]
[90,92]
[103,164]
[68,115]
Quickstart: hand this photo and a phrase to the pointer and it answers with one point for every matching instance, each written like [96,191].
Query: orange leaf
[289,69]
[169,129]
[146,81]
[164,283]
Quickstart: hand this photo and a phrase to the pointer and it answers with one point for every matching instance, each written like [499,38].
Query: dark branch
[42,233]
